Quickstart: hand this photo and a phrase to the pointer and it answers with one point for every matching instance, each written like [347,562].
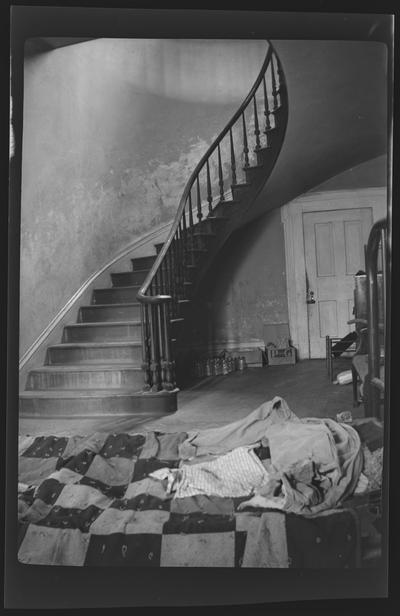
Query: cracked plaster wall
[112,130]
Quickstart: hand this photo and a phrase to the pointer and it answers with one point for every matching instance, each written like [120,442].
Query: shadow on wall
[246,287]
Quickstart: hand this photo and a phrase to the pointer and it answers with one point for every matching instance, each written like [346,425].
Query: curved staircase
[131,331]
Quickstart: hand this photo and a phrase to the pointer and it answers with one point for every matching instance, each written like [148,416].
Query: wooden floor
[220,400]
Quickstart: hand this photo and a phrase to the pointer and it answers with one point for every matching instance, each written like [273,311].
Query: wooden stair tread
[90,345]
[85,367]
[242,184]
[129,286]
[88,393]
[120,305]
[78,393]
[103,323]
[257,165]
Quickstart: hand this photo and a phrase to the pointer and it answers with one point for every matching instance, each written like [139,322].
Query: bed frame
[368,364]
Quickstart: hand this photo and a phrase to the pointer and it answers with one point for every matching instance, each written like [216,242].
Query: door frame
[292,219]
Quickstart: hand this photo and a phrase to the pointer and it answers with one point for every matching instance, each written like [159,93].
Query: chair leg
[355,383]
[330,358]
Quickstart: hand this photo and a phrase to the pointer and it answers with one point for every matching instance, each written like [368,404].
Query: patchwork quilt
[91,501]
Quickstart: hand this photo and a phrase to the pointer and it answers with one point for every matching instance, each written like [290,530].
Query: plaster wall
[246,288]
[112,130]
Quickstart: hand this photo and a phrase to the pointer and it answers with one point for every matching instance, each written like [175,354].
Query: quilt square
[199,523]
[111,471]
[21,532]
[265,544]
[36,512]
[198,550]
[79,463]
[61,517]
[127,521]
[35,470]
[212,505]
[65,475]
[143,467]
[46,447]
[24,442]
[117,549]
[107,490]
[148,485]
[49,491]
[53,546]
[142,502]
[168,445]
[93,442]
[76,496]
[122,445]
[326,541]
[240,544]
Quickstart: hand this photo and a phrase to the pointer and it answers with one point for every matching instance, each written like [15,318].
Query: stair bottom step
[85,403]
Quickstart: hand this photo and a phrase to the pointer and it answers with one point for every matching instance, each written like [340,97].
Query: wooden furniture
[370,318]
[338,348]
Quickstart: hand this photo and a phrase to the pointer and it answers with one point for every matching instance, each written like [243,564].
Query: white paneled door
[334,251]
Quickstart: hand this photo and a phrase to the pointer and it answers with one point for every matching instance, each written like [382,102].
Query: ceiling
[43,44]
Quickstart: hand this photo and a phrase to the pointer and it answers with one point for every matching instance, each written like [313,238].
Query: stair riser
[98,407]
[241,192]
[94,355]
[209,226]
[264,155]
[126,279]
[142,263]
[194,254]
[115,295]
[99,379]
[224,210]
[199,241]
[110,333]
[110,313]
[254,174]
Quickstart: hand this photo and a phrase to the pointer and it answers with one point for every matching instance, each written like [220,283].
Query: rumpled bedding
[317,461]
[131,500]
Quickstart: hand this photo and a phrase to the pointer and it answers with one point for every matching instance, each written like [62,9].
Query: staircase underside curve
[337,118]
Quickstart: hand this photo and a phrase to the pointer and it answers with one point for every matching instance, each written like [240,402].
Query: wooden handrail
[155,299]
[166,285]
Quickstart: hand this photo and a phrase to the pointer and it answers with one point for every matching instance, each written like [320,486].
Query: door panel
[334,252]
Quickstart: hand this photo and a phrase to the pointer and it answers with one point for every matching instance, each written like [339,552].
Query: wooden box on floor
[277,357]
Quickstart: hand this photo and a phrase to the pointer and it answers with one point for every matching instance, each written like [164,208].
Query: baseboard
[251,350]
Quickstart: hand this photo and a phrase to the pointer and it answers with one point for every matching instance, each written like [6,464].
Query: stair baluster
[233,160]
[168,374]
[245,144]
[256,126]
[191,223]
[181,258]
[281,80]
[145,346]
[154,348]
[199,212]
[209,190]
[274,88]
[266,114]
[220,175]
[170,276]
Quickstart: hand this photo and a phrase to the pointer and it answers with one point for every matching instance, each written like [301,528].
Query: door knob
[310,297]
